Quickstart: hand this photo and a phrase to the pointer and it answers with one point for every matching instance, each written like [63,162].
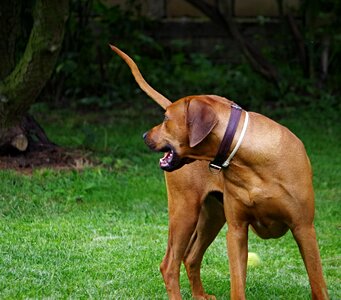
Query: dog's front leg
[305,237]
[180,232]
[237,251]
[170,270]
[183,217]
[211,220]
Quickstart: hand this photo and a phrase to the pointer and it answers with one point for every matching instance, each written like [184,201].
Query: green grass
[101,232]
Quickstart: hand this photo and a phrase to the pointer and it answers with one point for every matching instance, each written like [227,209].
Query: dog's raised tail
[156,96]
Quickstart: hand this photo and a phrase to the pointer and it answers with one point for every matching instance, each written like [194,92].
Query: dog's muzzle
[170,161]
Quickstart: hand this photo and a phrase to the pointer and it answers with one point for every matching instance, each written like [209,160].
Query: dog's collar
[221,160]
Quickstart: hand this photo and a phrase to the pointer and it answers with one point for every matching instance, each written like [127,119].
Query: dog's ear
[201,118]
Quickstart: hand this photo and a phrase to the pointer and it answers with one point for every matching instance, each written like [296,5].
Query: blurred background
[257,52]
[263,53]
[272,56]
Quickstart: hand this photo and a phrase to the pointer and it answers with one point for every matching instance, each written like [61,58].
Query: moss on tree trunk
[22,85]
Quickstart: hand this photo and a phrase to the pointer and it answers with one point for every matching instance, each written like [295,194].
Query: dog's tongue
[166,159]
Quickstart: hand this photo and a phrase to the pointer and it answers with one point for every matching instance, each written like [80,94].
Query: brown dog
[268,186]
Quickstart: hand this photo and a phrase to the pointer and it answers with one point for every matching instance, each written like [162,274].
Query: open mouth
[167,159]
[171,161]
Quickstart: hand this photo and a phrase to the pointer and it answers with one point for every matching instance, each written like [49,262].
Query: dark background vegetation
[272,64]
[88,75]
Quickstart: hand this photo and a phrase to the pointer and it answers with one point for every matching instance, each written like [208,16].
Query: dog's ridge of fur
[271,164]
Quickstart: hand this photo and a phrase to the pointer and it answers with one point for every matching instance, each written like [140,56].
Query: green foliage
[322,33]
[86,72]
[102,232]
[89,75]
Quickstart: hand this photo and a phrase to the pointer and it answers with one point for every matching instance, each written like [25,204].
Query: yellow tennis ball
[253,260]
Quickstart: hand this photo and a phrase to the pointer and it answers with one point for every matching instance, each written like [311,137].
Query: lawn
[101,232]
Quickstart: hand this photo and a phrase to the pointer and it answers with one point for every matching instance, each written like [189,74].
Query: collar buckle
[215,169]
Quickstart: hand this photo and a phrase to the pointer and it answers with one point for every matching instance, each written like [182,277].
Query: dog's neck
[208,149]
[222,159]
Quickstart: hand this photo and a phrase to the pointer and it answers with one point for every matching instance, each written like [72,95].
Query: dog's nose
[144,135]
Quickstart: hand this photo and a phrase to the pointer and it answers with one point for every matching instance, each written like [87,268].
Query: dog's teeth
[166,159]
[170,157]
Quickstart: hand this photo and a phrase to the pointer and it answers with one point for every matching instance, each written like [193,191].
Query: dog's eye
[165,119]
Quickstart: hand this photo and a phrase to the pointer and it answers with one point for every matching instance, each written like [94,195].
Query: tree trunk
[21,84]
[9,32]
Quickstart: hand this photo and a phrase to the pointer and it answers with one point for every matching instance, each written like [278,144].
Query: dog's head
[185,134]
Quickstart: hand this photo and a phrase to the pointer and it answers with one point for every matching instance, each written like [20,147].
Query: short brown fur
[267,187]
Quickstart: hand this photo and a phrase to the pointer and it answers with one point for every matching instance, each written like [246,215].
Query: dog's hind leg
[305,237]
[211,220]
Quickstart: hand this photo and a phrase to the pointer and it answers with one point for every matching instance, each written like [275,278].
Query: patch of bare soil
[45,157]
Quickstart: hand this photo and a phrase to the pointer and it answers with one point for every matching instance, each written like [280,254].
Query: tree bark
[9,31]
[21,86]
